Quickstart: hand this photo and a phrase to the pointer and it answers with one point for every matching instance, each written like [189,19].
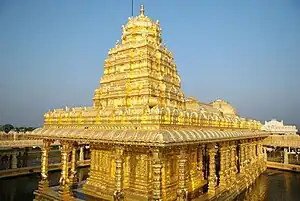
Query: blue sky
[246,52]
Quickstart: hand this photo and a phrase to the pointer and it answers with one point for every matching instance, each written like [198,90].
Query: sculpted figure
[118,196]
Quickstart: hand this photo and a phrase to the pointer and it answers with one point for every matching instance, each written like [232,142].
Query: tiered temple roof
[140,99]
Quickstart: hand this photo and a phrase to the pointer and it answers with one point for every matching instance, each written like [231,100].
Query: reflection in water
[271,186]
[256,192]
[22,188]
[274,185]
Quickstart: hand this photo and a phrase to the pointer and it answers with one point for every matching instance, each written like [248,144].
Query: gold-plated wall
[178,169]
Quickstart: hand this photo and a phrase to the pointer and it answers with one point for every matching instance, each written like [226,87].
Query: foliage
[7,127]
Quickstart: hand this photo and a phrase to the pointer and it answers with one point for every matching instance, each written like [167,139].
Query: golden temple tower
[139,73]
[147,141]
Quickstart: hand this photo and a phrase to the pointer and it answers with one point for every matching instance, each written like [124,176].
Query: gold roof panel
[150,137]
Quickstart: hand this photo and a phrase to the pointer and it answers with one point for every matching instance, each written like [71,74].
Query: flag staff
[132,8]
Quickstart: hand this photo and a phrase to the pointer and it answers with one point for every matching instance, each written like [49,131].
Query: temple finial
[142,10]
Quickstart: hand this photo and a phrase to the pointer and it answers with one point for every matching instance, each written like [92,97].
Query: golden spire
[142,10]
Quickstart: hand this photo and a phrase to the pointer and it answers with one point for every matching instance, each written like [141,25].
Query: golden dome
[224,107]
[141,27]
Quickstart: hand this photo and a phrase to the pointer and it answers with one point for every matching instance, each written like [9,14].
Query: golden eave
[160,137]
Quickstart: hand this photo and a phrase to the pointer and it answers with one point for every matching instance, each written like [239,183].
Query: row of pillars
[285,155]
[250,166]
[13,159]
[68,179]
[246,159]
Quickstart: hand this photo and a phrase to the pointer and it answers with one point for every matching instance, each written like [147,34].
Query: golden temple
[147,141]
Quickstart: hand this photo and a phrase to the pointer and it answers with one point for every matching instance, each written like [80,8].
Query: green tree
[7,128]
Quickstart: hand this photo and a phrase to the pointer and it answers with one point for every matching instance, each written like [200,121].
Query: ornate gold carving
[119,194]
[223,159]
[200,163]
[157,167]
[44,164]
[233,169]
[212,172]
[140,104]
[65,153]
[182,192]
[73,171]
[64,181]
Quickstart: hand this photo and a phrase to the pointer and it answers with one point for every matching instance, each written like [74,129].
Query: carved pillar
[252,159]
[255,149]
[118,195]
[261,157]
[222,165]
[157,180]
[81,154]
[242,156]
[250,150]
[44,164]
[64,190]
[232,162]
[212,169]
[246,153]
[247,162]
[264,158]
[96,163]
[246,157]
[286,156]
[260,150]
[227,165]
[200,162]
[182,188]
[14,161]
[73,171]
[265,154]
[93,159]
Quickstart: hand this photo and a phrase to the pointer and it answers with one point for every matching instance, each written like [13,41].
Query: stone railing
[20,143]
[15,136]
[283,141]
